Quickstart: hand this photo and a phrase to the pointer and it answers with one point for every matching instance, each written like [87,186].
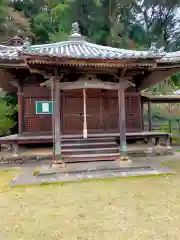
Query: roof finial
[26,44]
[75,28]
[75,33]
[153,48]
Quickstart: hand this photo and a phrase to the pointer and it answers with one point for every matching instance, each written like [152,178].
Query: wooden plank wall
[32,121]
[102,111]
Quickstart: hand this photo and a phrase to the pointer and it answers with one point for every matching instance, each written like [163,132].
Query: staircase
[90,149]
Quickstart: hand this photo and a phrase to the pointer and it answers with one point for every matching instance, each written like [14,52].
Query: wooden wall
[102,111]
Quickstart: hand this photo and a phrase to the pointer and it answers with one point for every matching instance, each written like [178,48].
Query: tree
[12,22]
[5,122]
[160,20]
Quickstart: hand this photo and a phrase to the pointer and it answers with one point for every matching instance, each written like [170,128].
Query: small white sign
[45,107]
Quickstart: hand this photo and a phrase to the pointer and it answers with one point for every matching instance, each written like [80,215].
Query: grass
[135,208]
[36,172]
[175,165]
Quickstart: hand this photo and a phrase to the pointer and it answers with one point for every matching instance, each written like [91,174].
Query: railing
[170,126]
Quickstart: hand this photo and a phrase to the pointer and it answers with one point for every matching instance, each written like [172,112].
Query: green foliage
[36,172]
[6,122]
[12,109]
[42,28]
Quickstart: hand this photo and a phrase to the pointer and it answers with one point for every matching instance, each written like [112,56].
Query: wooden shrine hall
[81,93]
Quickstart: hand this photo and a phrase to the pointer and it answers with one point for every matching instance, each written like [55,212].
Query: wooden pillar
[85,115]
[142,114]
[53,116]
[20,109]
[57,121]
[149,116]
[122,120]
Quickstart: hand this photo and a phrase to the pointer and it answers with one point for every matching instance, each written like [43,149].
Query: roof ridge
[50,44]
[4,47]
[113,48]
[63,43]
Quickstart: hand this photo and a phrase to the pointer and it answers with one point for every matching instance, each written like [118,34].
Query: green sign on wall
[44,107]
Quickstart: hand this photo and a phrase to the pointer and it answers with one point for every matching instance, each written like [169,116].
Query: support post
[57,123]
[122,120]
[149,116]
[53,117]
[142,114]
[85,115]
[20,109]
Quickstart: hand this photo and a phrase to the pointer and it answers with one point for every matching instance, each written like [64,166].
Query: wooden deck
[42,137]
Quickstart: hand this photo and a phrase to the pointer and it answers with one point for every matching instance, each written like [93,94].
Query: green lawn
[175,165]
[135,208]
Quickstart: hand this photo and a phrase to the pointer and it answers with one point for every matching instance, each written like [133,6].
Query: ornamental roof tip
[26,44]
[75,33]
[75,29]
[153,49]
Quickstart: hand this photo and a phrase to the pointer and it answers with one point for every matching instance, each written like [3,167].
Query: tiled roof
[10,53]
[86,50]
[78,48]
[171,57]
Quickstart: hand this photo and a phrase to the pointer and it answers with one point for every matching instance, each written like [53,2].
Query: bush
[5,122]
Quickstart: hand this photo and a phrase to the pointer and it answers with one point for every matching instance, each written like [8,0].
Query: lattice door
[94,105]
[72,115]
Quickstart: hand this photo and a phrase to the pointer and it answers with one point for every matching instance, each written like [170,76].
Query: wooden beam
[149,116]
[86,83]
[20,109]
[89,84]
[157,76]
[14,83]
[170,66]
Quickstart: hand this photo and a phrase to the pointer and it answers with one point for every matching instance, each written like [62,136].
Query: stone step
[82,140]
[89,152]
[90,149]
[91,157]
[88,144]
